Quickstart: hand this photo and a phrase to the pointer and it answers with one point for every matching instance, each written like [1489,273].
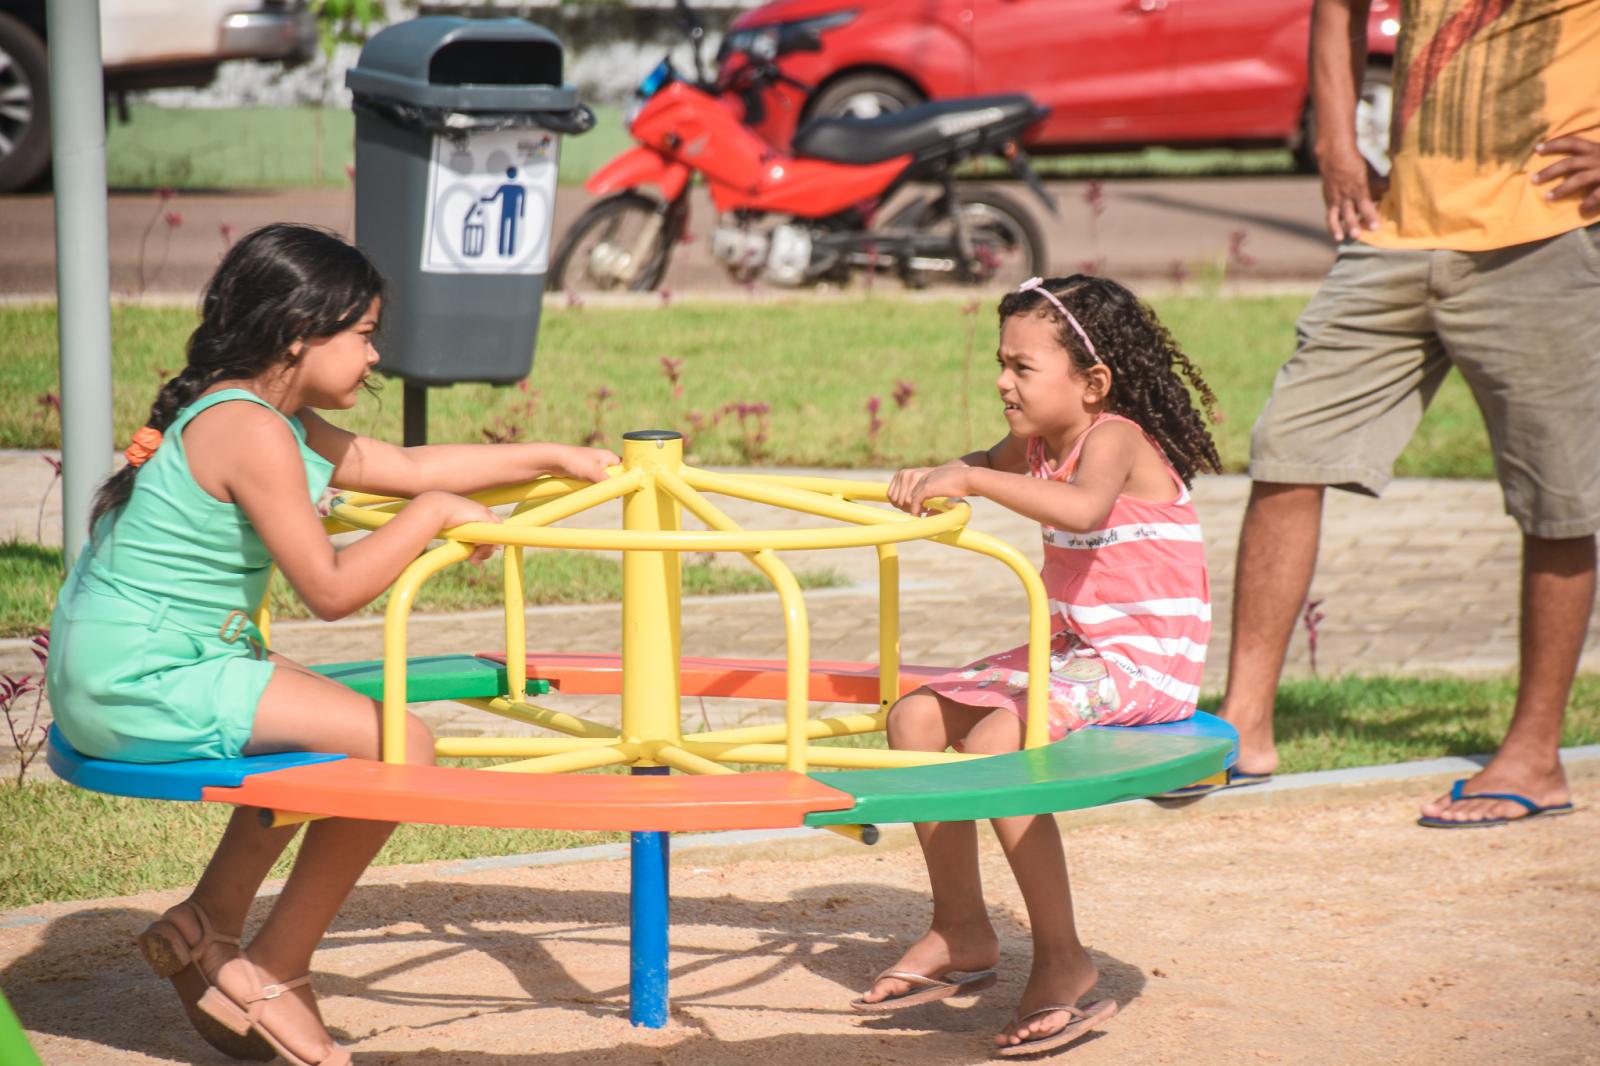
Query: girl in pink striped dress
[1103,441]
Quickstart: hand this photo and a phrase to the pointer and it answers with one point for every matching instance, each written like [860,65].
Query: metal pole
[414,430]
[651,648]
[649,911]
[83,267]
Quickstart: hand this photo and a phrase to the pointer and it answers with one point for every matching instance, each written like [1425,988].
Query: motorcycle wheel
[622,243]
[1007,244]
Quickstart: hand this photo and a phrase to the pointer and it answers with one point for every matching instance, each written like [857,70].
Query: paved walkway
[1423,581]
[1154,231]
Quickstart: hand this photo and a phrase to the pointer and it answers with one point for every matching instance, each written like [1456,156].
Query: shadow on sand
[85,980]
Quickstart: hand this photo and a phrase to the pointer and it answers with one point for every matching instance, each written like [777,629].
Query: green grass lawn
[60,843]
[815,366]
[270,147]
[276,147]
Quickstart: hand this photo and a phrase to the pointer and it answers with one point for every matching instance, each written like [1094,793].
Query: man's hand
[1580,169]
[1350,191]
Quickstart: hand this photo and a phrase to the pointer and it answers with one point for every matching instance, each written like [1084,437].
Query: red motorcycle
[810,216]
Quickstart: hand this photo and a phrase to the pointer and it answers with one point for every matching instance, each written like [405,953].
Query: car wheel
[863,96]
[1373,111]
[24,106]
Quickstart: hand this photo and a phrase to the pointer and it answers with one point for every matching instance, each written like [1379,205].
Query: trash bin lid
[445,61]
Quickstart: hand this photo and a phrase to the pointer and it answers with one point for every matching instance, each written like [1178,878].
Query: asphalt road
[1190,231]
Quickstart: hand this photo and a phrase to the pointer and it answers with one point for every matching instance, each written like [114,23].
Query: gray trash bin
[457,139]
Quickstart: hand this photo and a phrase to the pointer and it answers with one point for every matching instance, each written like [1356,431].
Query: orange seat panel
[361,788]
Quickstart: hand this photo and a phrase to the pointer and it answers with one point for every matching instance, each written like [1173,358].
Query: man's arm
[1338,63]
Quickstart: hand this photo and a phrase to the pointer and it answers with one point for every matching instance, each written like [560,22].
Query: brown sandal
[245,1015]
[170,953]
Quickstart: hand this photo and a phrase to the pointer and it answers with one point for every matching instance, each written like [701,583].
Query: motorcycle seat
[926,130]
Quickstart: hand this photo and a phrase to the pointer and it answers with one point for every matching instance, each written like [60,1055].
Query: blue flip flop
[1456,793]
[1236,779]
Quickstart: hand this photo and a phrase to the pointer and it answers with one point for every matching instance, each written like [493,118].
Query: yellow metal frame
[656,487]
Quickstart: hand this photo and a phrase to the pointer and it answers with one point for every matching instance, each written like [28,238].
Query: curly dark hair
[280,284]
[1144,360]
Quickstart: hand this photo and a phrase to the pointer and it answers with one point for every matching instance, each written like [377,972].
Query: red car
[1114,73]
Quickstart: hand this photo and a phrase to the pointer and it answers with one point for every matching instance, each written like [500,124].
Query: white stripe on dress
[1182,647]
[1190,606]
[1133,531]
[1165,684]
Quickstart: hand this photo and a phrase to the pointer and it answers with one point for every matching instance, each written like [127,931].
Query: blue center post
[650,894]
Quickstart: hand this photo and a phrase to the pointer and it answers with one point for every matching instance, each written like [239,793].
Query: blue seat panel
[1201,724]
[166,780]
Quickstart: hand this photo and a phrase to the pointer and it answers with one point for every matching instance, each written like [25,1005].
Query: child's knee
[419,741]
[911,718]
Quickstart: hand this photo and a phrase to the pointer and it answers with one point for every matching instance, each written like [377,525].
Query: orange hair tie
[145,442]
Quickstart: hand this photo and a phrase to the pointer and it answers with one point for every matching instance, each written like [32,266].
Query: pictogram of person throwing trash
[513,205]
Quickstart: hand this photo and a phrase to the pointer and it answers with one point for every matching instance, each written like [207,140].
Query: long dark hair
[1144,360]
[280,284]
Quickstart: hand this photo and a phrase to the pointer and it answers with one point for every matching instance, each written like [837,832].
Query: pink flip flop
[926,989]
[1079,1021]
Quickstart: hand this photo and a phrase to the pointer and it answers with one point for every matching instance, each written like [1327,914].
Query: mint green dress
[152,655]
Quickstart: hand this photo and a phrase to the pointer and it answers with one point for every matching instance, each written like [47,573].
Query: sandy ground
[1323,929]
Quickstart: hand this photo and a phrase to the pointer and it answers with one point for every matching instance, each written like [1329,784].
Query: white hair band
[1037,285]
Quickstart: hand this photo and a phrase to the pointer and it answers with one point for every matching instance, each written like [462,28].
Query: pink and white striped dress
[1131,607]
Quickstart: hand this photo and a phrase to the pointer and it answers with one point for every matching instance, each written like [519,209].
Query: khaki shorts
[1522,324]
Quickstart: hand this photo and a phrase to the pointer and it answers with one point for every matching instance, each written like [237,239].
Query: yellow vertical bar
[516,624]
[796,631]
[402,595]
[651,631]
[888,625]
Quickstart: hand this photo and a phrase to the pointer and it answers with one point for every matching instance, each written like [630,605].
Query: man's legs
[1558,582]
[1277,557]
[1520,325]
[1342,408]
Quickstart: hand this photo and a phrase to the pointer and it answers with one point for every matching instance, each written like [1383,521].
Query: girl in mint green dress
[153,658]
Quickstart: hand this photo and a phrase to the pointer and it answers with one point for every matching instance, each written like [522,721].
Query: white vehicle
[145,44]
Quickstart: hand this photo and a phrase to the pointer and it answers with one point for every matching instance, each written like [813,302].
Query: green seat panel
[1089,768]
[431,677]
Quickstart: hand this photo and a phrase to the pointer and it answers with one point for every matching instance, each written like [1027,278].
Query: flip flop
[1236,779]
[1080,1021]
[1456,795]
[926,989]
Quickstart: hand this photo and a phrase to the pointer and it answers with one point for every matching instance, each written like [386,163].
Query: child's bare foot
[938,952]
[1050,983]
[282,1009]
